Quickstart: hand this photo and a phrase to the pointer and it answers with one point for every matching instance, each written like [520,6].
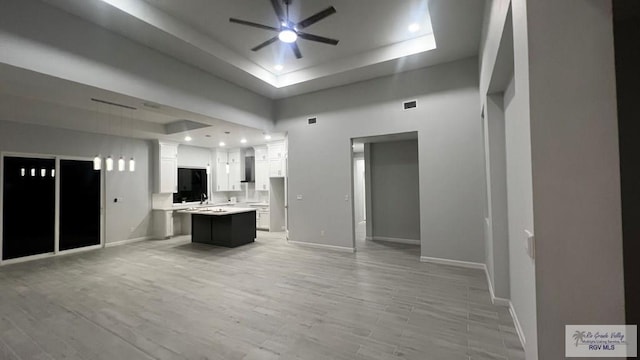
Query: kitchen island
[222,226]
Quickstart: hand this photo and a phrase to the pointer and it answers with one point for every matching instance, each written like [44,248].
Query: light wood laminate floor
[173,299]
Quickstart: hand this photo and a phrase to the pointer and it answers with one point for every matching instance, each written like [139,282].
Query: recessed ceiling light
[414,27]
[244,141]
[288,36]
[267,137]
[278,67]
[222,144]
[187,138]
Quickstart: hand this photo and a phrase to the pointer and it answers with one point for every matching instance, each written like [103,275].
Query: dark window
[192,183]
[79,204]
[28,207]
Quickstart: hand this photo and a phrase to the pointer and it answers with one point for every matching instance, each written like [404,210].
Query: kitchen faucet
[203,197]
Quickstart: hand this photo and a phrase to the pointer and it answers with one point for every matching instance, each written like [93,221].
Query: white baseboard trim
[516,322]
[395,240]
[71,251]
[27,258]
[128,241]
[495,300]
[459,263]
[323,246]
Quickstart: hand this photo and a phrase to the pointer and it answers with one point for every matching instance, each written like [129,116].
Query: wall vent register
[410,104]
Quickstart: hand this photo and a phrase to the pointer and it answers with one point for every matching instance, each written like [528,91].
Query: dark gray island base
[230,228]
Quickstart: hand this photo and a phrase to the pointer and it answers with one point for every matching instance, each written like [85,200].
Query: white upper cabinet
[261,168]
[276,152]
[260,153]
[167,181]
[228,170]
[233,156]
[235,170]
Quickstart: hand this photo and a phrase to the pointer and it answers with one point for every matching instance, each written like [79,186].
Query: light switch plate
[299,197]
[530,244]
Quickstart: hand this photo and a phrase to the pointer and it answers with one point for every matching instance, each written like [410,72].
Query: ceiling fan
[289,31]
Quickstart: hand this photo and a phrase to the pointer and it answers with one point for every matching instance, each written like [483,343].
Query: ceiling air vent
[312,120]
[410,104]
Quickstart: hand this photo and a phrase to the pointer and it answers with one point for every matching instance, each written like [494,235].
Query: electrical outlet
[299,197]
[321,232]
[346,198]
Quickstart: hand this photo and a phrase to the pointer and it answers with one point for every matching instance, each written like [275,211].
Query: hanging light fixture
[97,163]
[53,172]
[132,165]
[109,163]
[43,172]
[121,164]
[33,172]
[23,171]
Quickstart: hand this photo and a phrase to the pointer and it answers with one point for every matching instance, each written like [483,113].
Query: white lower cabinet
[163,224]
[262,219]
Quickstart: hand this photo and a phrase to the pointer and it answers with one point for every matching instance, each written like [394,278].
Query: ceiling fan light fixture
[287,36]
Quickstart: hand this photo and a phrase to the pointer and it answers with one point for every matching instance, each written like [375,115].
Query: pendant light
[132,161]
[97,163]
[121,164]
[109,163]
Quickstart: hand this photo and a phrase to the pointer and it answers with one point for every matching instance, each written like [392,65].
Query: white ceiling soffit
[373,34]
[39,99]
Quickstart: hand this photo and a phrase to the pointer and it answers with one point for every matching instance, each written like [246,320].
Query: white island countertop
[216,210]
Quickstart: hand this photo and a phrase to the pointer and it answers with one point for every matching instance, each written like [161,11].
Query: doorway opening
[386,192]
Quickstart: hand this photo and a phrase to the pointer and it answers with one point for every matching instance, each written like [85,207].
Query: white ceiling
[374,41]
[27,94]
[373,34]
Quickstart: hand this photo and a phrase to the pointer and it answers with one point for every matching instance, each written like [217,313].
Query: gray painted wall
[367,192]
[395,185]
[498,231]
[520,205]
[562,167]
[576,174]
[130,217]
[276,204]
[518,158]
[359,198]
[448,123]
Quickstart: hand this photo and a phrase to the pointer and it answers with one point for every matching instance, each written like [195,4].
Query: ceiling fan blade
[315,18]
[317,38]
[252,24]
[296,50]
[279,12]
[268,42]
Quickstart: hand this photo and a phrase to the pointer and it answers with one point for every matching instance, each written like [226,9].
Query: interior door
[28,207]
[79,204]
